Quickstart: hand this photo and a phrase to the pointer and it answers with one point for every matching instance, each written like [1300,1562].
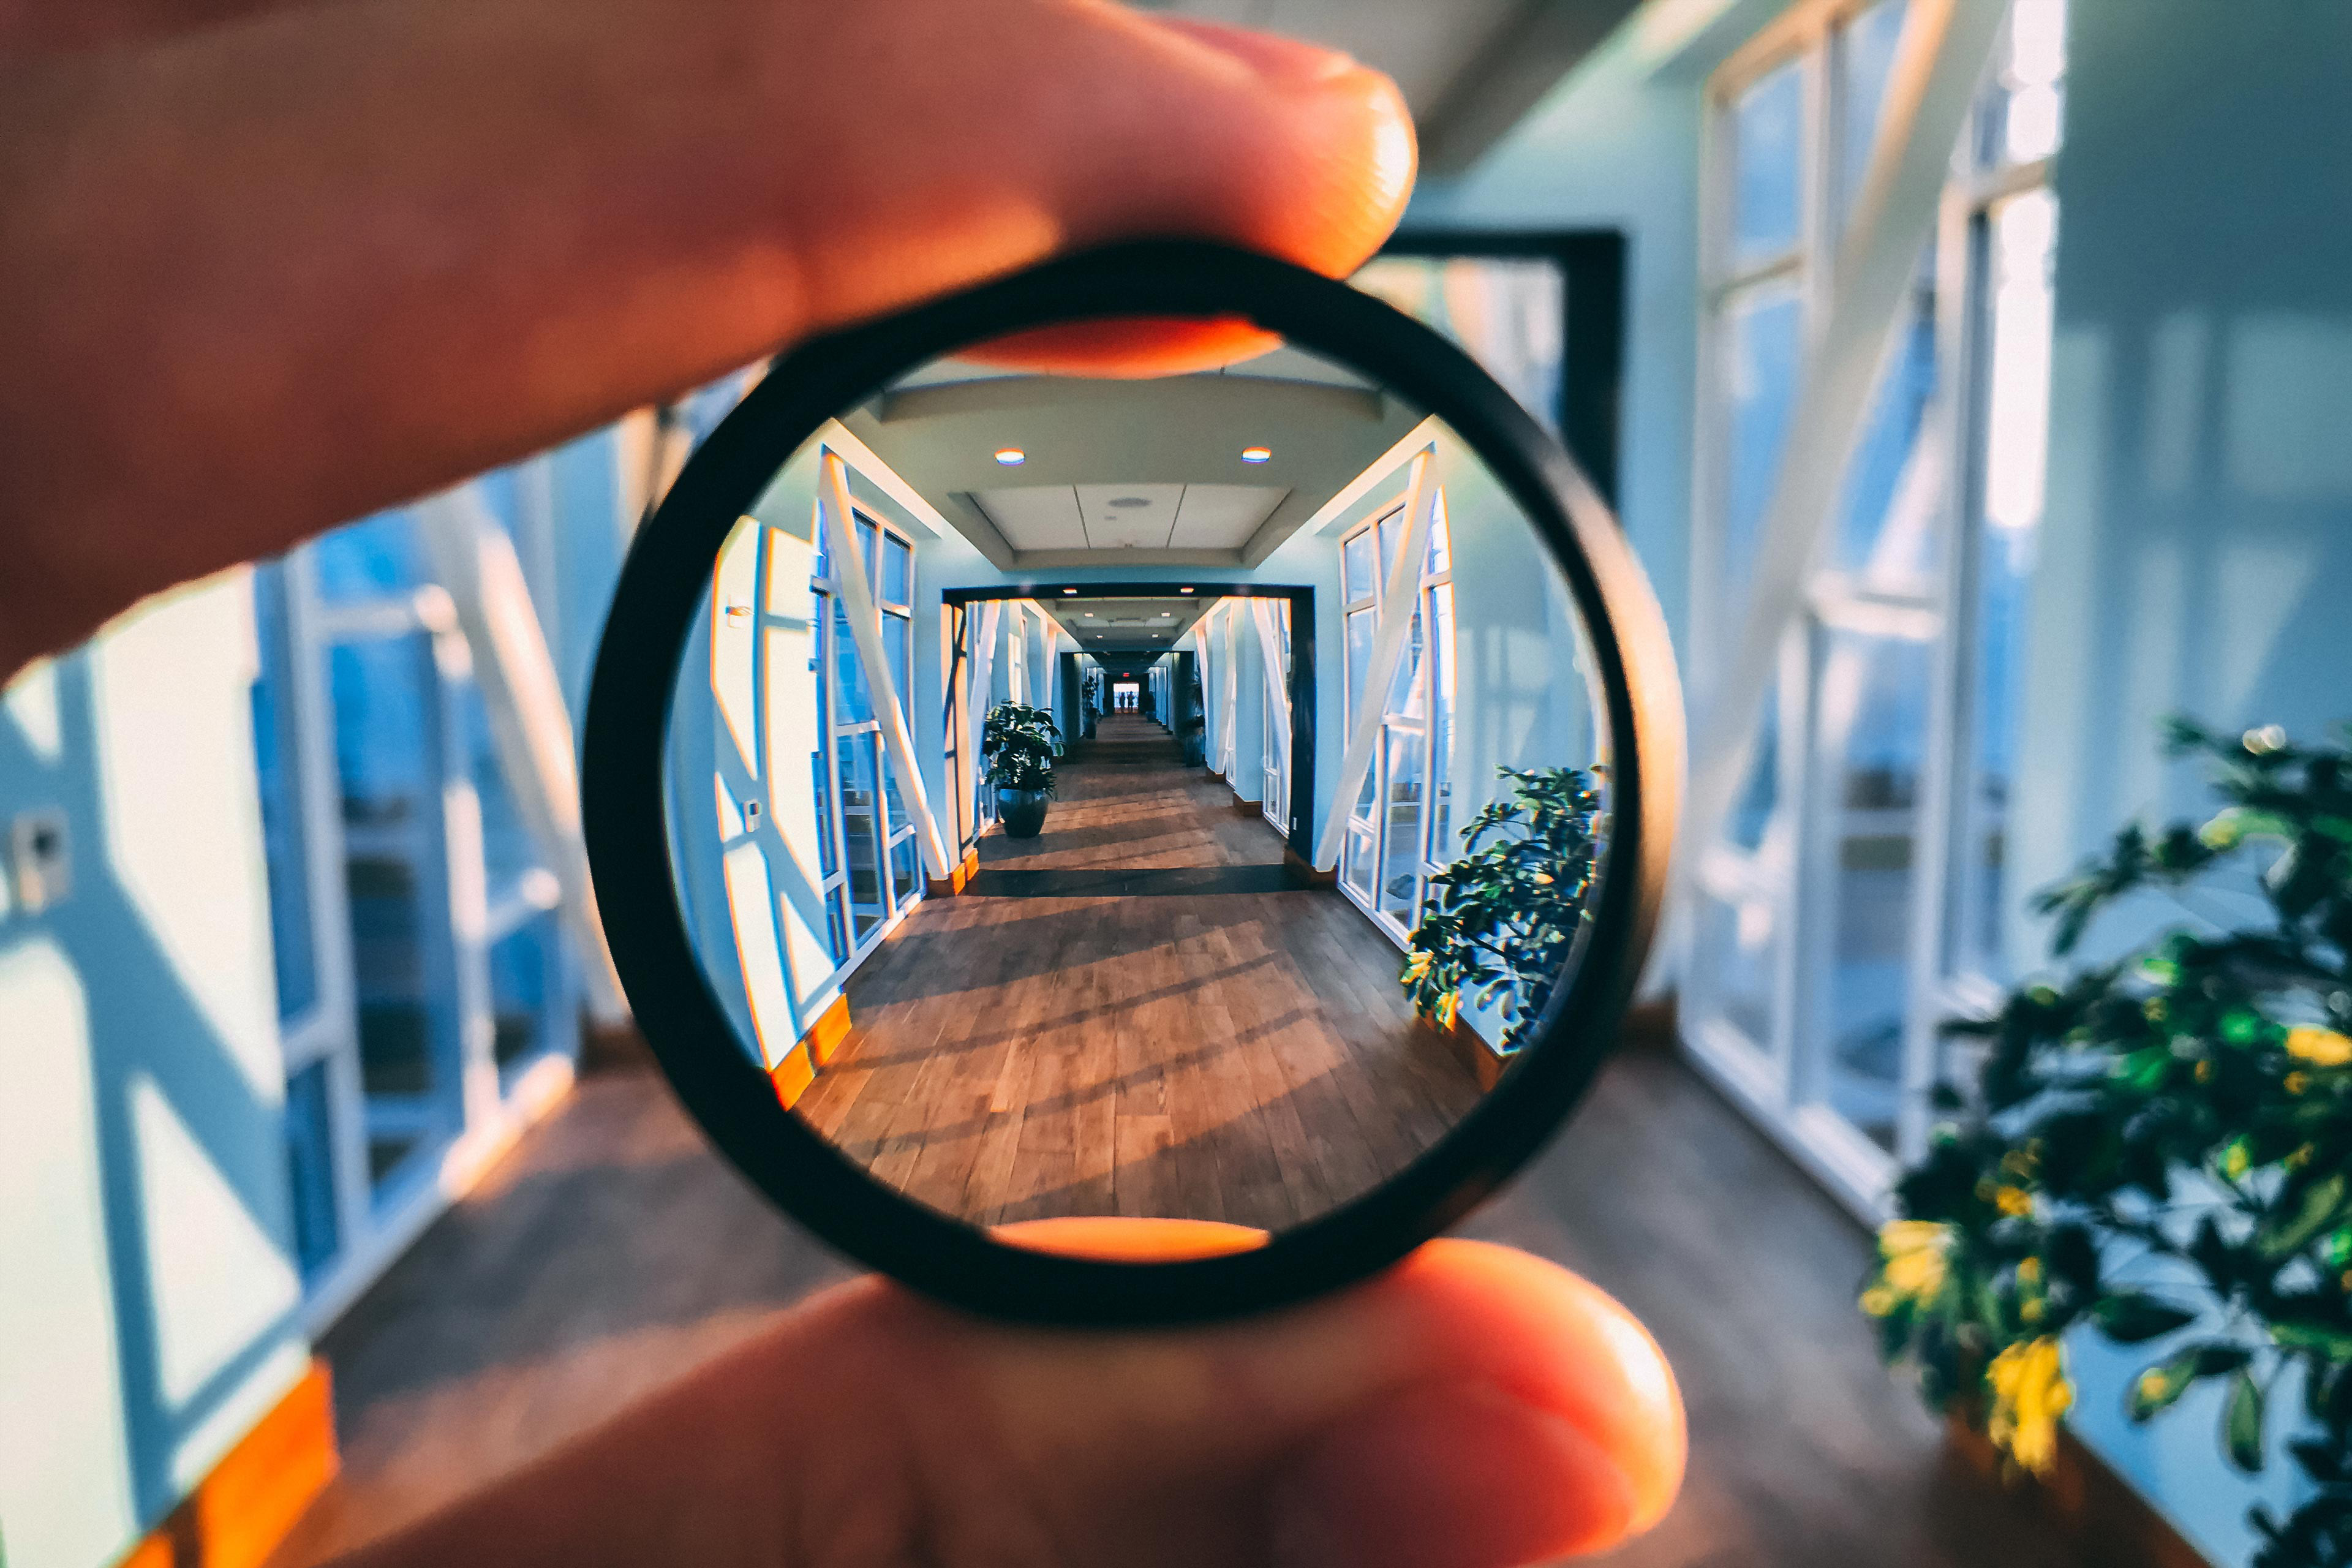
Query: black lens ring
[665,584]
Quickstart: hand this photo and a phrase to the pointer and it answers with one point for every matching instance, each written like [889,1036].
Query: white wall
[146,1308]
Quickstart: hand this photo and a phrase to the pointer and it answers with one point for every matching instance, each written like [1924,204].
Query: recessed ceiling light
[1183,590]
[1257,454]
[1012,456]
[1130,500]
[1070,590]
[1089,613]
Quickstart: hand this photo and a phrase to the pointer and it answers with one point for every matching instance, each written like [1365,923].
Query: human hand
[273,263]
[1471,1408]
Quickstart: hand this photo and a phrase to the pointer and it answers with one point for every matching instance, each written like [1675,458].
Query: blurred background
[1969,376]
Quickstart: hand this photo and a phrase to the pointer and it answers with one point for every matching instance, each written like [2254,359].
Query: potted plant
[1192,725]
[1500,923]
[1019,745]
[1092,692]
[2159,1150]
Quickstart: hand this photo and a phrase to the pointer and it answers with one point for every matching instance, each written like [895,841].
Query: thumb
[1472,1408]
[266,276]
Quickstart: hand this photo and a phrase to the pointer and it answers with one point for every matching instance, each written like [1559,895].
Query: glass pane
[848,675]
[2023,110]
[1404,683]
[1735,965]
[1753,814]
[871,549]
[1866,57]
[1390,529]
[897,571]
[823,774]
[898,646]
[387,768]
[374,558]
[508,849]
[1361,859]
[862,832]
[1761,361]
[1360,626]
[1873,706]
[1357,558]
[1442,847]
[522,982]
[276,747]
[905,871]
[2023,240]
[310,1168]
[1441,543]
[1401,847]
[1766,125]
[1886,521]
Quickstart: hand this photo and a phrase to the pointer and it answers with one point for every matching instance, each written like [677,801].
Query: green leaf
[2335,1343]
[2130,1318]
[2160,1385]
[2242,1421]
[2284,1234]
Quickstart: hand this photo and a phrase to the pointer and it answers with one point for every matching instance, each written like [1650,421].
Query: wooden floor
[612,1250]
[1138,1012]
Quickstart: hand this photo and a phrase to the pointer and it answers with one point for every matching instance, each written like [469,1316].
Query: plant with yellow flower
[1499,924]
[2160,1151]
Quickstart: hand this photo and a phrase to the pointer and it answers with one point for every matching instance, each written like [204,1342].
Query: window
[1274,798]
[1855,897]
[867,833]
[1399,827]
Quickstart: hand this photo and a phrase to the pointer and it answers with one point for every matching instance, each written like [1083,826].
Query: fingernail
[1449,1477]
[1285,62]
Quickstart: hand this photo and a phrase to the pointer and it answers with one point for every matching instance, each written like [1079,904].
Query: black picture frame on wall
[1593,265]
[665,588]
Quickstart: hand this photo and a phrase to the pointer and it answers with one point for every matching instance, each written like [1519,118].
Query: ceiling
[1109,625]
[1130,471]
[1469,70]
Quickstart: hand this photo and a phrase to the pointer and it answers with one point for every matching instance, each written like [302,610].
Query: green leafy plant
[1499,922]
[2160,1148]
[1019,745]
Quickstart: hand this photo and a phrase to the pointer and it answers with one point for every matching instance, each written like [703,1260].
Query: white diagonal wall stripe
[1941,58]
[865,629]
[1399,598]
[530,729]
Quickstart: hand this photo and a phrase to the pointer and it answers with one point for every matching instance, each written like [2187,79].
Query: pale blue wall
[146,1309]
[2196,548]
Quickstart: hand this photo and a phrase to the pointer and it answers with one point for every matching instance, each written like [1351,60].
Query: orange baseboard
[1246,807]
[238,1513]
[956,880]
[825,1035]
[792,1075]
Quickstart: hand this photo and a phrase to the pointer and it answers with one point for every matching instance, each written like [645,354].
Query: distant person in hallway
[266,267]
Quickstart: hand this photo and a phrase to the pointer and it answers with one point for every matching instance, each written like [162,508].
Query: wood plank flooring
[612,1250]
[1138,1012]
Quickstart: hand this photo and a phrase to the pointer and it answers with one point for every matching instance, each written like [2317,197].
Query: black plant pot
[1021,811]
[1196,751]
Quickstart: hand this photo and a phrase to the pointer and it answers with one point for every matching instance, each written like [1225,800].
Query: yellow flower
[1415,967]
[2030,1392]
[2205,1071]
[1878,1301]
[2236,1161]
[2296,1082]
[2028,1271]
[1917,1254]
[2320,1047]
[2014,1202]
[1447,1005]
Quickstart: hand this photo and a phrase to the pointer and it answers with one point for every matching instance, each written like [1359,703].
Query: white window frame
[1791,871]
[1366,843]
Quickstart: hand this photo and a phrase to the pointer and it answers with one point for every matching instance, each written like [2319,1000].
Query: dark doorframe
[1301,599]
[1592,362]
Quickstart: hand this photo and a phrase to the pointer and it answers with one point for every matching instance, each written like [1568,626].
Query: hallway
[1142,1011]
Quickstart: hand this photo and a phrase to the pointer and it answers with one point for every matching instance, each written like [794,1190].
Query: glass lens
[1170,795]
